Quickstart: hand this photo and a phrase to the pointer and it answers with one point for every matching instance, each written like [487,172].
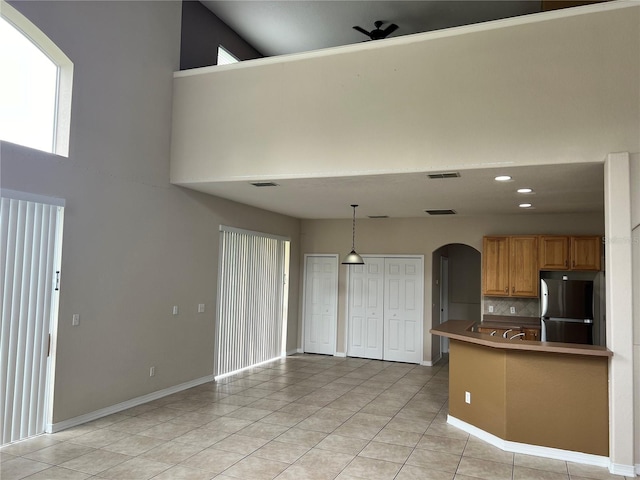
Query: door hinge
[49,347]
[57,280]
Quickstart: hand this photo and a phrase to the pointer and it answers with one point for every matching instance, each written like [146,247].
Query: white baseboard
[119,407]
[341,354]
[626,470]
[538,451]
[431,363]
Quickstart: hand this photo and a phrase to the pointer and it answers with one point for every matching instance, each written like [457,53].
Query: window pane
[28,91]
[225,57]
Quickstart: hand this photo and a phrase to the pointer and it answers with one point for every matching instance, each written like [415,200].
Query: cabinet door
[523,266]
[553,253]
[585,253]
[495,266]
[531,334]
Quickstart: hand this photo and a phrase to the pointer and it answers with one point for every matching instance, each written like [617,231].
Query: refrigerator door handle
[544,298]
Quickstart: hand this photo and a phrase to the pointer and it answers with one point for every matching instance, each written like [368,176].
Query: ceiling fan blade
[362,30]
[390,29]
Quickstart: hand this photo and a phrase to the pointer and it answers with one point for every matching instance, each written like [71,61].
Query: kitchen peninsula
[543,398]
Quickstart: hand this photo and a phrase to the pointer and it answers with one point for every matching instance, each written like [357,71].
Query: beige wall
[134,245]
[532,398]
[423,236]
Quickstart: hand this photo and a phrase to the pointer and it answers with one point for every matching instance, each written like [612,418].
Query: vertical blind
[252,298]
[29,252]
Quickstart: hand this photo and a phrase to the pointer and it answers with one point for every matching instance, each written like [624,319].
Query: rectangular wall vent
[378,216]
[441,212]
[264,184]
[444,175]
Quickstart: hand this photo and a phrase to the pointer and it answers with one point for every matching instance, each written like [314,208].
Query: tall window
[35,86]
[252,299]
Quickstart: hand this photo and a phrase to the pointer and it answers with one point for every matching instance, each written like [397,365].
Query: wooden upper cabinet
[495,266]
[554,253]
[585,253]
[569,253]
[510,266]
[523,266]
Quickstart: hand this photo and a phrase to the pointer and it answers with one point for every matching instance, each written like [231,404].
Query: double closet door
[385,304]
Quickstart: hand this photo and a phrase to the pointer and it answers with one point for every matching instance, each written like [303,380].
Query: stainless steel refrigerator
[566,307]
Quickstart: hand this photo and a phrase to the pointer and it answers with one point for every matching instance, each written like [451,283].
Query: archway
[456,288]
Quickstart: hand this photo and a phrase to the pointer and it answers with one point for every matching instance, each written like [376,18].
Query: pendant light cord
[353,237]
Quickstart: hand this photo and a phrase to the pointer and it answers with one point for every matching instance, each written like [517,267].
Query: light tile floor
[303,417]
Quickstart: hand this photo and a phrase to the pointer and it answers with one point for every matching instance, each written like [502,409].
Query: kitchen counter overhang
[462,330]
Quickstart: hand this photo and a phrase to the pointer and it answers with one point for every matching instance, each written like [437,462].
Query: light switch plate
[200,307]
[75,320]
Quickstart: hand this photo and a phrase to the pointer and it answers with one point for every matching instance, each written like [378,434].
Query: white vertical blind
[251,299]
[29,252]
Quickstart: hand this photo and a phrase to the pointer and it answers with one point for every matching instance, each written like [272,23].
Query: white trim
[119,407]
[32,197]
[625,470]
[637,469]
[430,363]
[340,354]
[535,450]
[415,38]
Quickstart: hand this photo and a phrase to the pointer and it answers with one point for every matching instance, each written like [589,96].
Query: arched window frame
[62,121]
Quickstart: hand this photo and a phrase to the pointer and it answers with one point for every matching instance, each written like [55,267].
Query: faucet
[504,335]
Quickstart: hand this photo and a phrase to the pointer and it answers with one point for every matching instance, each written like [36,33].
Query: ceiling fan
[377,33]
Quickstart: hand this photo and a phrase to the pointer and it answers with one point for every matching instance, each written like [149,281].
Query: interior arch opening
[456,288]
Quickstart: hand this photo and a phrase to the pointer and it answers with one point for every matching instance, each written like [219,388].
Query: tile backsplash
[525,307]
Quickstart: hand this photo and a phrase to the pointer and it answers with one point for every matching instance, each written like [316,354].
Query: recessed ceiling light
[525,190]
[525,205]
[503,178]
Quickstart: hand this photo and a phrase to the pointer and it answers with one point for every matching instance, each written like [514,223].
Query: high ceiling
[286,27]
[291,26]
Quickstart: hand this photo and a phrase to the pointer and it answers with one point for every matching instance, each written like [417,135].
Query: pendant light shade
[353,258]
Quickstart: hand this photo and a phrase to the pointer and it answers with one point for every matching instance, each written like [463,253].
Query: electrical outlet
[512,310]
[467,397]
[175,309]
[152,371]
[490,308]
[200,307]
[75,320]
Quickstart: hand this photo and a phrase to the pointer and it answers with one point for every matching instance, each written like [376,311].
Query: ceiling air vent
[441,212]
[264,184]
[444,175]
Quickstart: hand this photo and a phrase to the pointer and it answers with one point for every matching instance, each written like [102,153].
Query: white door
[366,312]
[320,304]
[403,310]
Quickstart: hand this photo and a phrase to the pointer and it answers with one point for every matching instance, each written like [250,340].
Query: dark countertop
[461,330]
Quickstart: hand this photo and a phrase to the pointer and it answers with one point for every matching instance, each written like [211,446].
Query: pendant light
[353,258]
